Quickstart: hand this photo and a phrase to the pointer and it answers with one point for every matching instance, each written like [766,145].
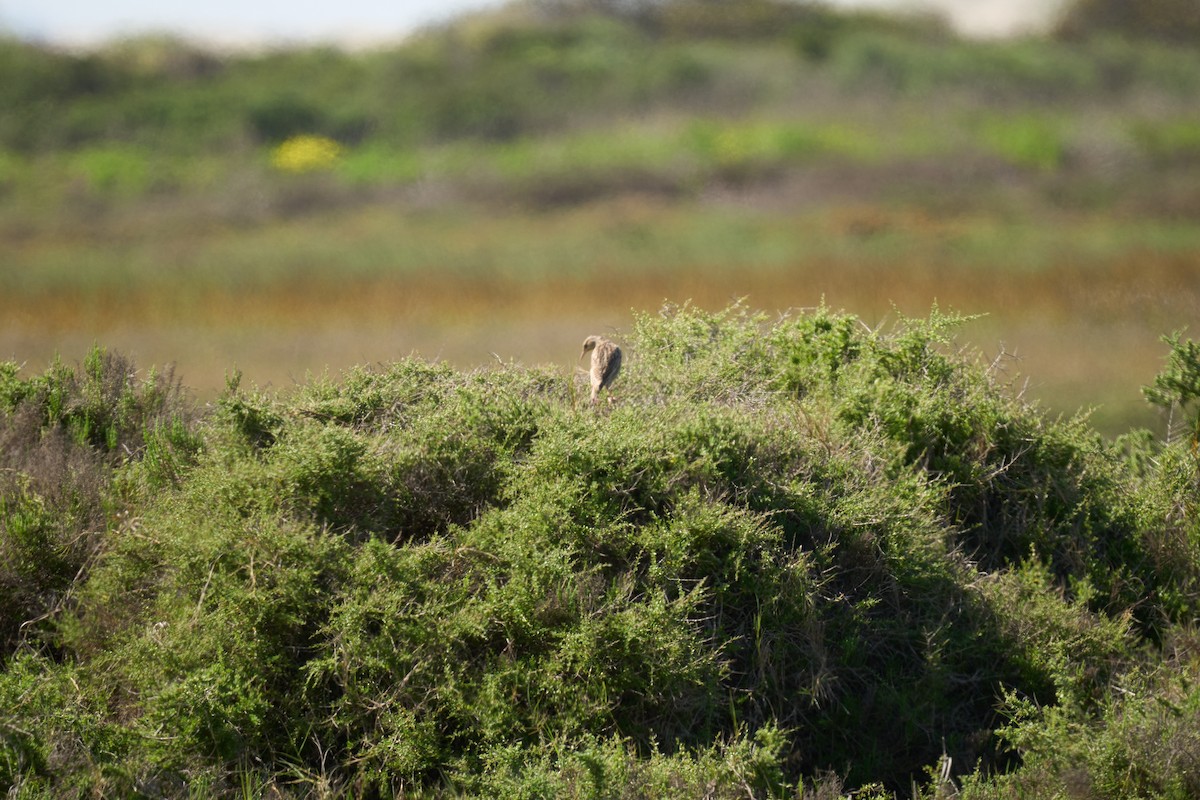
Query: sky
[247,22]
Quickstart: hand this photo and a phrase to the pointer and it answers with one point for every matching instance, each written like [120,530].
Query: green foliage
[280,118]
[787,551]
[54,739]
[1015,484]
[61,435]
[1027,142]
[1058,636]
[1177,387]
[1169,522]
[1171,20]
[1143,744]
[598,768]
[1176,142]
[534,74]
[912,65]
[112,170]
[102,404]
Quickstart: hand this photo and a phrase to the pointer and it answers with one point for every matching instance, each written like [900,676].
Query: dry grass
[1080,302]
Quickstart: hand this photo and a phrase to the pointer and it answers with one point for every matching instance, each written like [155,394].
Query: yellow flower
[306,154]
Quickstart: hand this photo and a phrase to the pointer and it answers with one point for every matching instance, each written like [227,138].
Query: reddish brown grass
[1085,325]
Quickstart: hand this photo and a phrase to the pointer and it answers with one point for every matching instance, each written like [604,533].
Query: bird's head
[589,344]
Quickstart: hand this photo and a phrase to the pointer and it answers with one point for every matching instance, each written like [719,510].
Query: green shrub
[112,171]
[1143,743]
[794,555]
[61,435]
[1170,20]
[197,625]
[54,739]
[597,768]
[102,404]
[1177,387]
[283,117]
[1003,70]
[1176,142]
[1026,142]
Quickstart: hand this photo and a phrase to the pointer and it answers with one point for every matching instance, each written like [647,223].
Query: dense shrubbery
[542,70]
[61,435]
[799,554]
[552,104]
[545,73]
[1169,20]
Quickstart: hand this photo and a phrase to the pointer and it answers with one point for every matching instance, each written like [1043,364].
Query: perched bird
[606,363]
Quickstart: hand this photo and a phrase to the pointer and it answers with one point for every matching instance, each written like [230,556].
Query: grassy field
[1079,301]
[498,189]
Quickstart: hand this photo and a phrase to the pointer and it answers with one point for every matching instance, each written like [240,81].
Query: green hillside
[791,558]
[567,101]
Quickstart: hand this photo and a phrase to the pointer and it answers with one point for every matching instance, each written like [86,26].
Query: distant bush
[1032,71]
[1168,20]
[281,118]
[1172,143]
[112,170]
[306,153]
[38,85]
[151,118]
[1030,142]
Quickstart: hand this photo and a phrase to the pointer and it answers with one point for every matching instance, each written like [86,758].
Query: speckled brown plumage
[606,363]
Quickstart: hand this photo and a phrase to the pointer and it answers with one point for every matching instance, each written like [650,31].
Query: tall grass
[1081,305]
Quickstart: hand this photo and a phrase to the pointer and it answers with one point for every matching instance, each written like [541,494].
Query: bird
[606,363]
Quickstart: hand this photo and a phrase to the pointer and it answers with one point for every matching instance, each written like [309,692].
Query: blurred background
[283,192]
